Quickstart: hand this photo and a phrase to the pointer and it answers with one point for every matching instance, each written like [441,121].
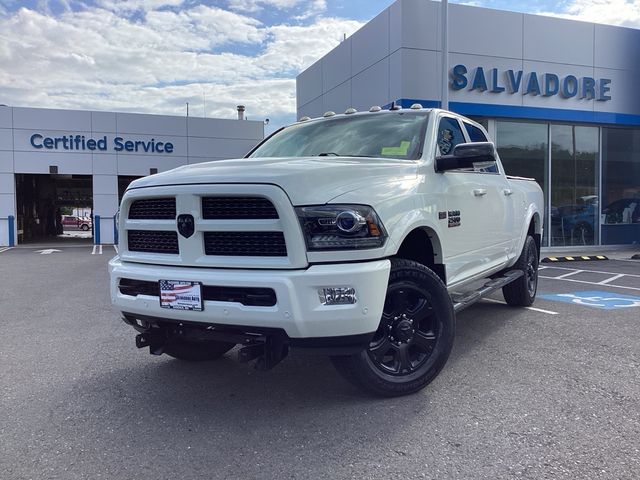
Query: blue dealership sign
[530,83]
[596,299]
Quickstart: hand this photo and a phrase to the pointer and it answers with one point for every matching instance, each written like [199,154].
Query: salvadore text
[493,80]
[81,143]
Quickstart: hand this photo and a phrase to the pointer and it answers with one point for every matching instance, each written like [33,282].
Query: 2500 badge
[454,218]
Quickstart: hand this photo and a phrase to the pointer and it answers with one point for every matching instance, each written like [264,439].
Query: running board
[464,300]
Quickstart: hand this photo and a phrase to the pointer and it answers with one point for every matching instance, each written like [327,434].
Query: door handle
[507,191]
[478,192]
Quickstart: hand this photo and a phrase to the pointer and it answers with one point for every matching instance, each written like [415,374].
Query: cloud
[252,6]
[613,12]
[126,6]
[294,48]
[101,58]
[314,8]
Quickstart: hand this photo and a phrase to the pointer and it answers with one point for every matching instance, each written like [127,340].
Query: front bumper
[298,310]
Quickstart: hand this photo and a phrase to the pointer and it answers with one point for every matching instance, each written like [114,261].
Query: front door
[477,236]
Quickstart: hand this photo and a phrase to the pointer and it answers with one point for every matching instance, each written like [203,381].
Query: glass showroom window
[574,185]
[620,214]
[523,149]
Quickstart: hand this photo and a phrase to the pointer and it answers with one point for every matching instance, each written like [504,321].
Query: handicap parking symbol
[596,299]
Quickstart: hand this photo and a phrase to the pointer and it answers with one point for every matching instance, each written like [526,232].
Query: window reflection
[574,185]
[620,214]
[523,150]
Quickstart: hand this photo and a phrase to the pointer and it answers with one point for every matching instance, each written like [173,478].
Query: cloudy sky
[154,56]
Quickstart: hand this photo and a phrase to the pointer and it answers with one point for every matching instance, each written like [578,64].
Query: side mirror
[465,155]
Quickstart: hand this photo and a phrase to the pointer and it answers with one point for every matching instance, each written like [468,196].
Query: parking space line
[115,247]
[4,249]
[593,283]
[548,312]
[97,250]
[611,279]
[569,274]
[592,271]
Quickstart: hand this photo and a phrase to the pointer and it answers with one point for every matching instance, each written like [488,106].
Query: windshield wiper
[334,154]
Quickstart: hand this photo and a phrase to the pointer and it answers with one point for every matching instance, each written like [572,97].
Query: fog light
[337,295]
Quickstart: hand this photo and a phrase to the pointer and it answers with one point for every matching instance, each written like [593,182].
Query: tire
[197,351]
[414,339]
[522,292]
[84,227]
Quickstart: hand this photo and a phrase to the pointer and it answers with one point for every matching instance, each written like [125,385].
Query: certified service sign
[104,143]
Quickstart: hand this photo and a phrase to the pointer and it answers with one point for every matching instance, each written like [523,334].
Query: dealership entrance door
[54,209]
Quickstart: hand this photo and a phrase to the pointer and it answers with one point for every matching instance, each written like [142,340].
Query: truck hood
[306,180]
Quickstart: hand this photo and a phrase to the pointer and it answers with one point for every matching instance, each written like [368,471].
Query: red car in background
[71,222]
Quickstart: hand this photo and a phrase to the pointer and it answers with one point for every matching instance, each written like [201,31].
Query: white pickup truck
[358,236]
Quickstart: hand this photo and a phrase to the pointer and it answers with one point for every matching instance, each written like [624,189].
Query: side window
[449,135]
[475,134]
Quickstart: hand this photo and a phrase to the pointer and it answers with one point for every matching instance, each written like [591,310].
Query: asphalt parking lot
[551,392]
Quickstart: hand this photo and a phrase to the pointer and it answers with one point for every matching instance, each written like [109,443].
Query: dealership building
[55,161]
[559,97]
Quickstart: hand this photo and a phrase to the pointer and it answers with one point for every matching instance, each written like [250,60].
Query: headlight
[341,227]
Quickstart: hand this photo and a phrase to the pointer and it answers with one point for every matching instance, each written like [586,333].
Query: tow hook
[268,352]
[156,342]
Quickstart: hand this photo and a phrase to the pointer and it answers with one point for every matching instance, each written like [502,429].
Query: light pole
[204,104]
[444,5]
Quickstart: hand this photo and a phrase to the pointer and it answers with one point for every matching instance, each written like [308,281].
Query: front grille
[248,296]
[153,209]
[245,244]
[237,208]
[153,241]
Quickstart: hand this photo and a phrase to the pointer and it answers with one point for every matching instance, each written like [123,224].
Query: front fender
[402,207]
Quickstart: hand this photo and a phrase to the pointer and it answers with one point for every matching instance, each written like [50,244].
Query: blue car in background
[575,224]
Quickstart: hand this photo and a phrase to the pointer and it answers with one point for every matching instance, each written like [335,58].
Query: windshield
[386,135]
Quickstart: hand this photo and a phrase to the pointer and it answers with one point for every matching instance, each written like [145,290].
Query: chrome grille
[245,244]
[153,241]
[237,208]
[153,209]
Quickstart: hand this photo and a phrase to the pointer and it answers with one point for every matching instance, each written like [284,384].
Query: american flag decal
[180,295]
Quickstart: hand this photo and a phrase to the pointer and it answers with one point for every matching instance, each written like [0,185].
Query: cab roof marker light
[329,114]
[349,111]
[304,119]
[416,106]
[375,108]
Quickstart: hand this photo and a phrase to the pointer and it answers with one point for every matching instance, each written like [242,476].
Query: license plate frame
[187,296]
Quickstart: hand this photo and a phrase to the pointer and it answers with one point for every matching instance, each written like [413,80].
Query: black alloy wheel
[414,337]
[408,331]
[522,291]
[531,273]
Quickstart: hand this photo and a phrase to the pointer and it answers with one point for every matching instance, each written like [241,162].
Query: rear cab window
[475,134]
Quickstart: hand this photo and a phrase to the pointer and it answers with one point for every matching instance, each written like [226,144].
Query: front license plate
[181,295]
